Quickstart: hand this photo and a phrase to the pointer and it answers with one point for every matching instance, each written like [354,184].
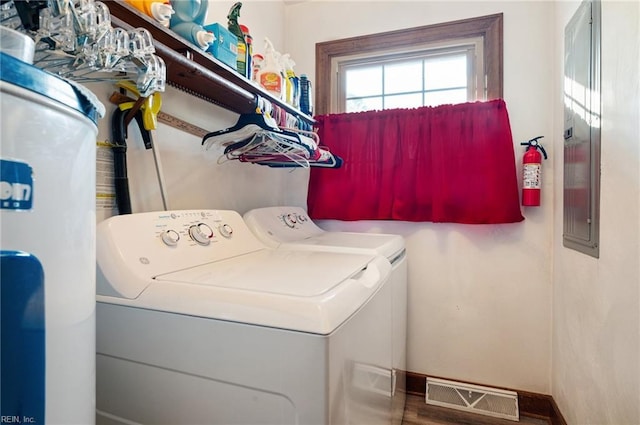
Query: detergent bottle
[160,10]
[270,74]
[188,21]
[249,56]
[234,28]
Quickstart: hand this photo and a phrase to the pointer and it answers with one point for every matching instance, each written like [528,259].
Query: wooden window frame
[488,27]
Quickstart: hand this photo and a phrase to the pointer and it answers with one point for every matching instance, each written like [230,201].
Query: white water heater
[47,239]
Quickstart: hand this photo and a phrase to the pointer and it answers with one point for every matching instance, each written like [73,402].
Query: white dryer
[291,228]
[198,322]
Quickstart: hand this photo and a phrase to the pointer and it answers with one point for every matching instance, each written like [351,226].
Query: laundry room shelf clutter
[193,70]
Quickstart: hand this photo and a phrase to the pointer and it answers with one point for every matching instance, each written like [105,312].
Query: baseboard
[556,415]
[529,404]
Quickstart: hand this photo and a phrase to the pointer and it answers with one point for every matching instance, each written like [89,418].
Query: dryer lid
[291,226]
[386,245]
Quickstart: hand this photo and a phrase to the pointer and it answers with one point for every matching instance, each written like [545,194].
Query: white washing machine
[291,228]
[198,322]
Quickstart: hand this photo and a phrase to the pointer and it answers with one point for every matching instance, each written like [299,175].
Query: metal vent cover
[473,398]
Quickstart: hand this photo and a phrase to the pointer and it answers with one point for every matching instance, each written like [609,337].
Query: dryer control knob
[170,237]
[290,220]
[201,233]
[226,230]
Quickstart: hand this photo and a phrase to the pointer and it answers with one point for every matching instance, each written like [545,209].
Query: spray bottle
[270,75]
[160,10]
[234,28]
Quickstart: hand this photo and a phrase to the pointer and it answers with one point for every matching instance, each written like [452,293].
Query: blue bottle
[188,21]
[306,101]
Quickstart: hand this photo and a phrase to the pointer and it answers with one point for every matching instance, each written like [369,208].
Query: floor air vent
[473,398]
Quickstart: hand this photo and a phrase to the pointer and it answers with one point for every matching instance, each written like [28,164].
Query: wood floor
[417,412]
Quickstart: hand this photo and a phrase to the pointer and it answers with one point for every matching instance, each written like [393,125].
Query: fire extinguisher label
[531,176]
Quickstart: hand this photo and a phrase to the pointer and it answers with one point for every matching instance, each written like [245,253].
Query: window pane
[413,100]
[445,71]
[366,104]
[424,78]
[364,81]
[445,97]
[403,77]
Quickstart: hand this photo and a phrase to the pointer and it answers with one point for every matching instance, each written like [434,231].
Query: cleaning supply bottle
[161,10]
[249,57]
[188,20]
[234,28]
[306,100]
[256,63]
[283,74]
[189,11]
[270,76]
[292,82]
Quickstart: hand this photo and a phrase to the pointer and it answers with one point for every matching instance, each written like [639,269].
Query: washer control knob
[302,218]
[290,220]
[226,230]
[170,237]
[201,233]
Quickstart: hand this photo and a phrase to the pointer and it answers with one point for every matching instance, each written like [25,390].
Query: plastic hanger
[256,138]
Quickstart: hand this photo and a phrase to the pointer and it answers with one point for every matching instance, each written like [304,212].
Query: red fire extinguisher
[531,172]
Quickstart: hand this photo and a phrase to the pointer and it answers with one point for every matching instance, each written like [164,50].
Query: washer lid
[281,272]
[305,291]
[27,76]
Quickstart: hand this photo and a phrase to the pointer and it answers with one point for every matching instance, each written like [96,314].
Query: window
[429,76]
[450,62]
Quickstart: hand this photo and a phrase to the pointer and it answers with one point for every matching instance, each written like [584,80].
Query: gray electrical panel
[581,199]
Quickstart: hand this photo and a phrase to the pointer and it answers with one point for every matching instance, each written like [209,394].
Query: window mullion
[424,77]
[384,91]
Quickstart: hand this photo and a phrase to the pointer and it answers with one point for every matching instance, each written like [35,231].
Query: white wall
[479,296]
[596,307]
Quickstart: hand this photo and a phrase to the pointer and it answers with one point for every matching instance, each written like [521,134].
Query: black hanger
[247,126]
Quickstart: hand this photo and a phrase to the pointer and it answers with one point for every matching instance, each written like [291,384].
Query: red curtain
[451,163]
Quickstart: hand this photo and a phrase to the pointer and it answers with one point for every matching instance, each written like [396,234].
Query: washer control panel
[191,227]
[154,243]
